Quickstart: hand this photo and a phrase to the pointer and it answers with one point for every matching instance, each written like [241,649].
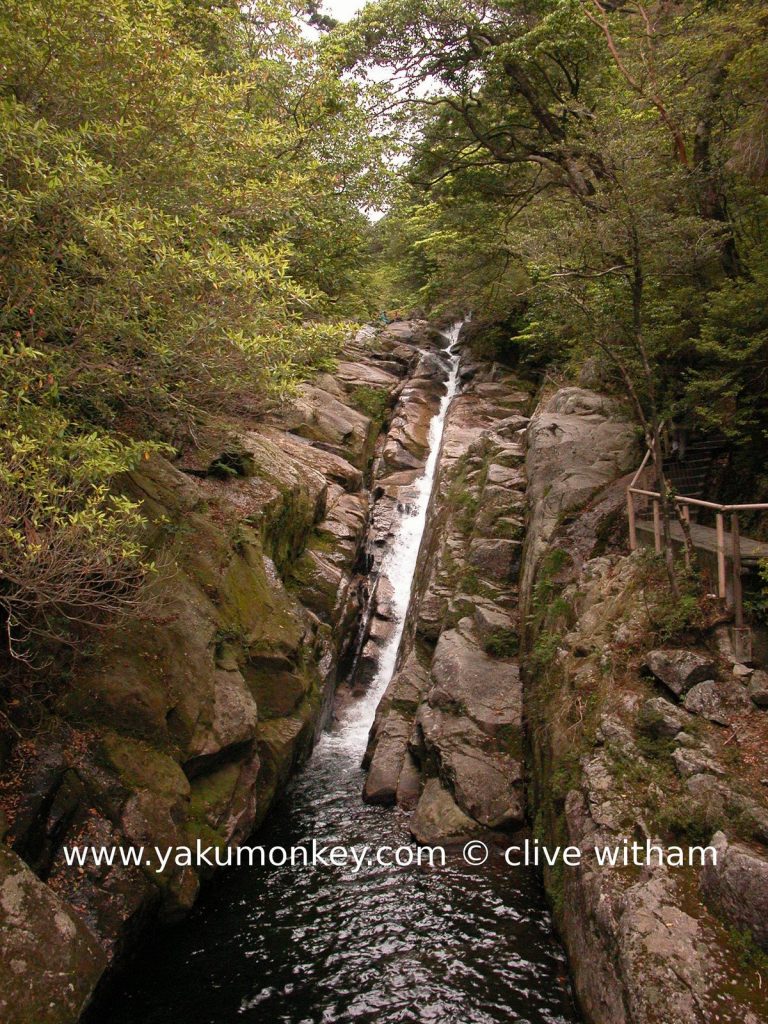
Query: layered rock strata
[447,739]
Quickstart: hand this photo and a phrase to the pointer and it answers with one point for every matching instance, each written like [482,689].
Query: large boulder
[661,719]
[386,765]
[679,668]
[485,781]
[50,960]
[717,701]
[438,818]
[320,417]
[486,689]
[737,886]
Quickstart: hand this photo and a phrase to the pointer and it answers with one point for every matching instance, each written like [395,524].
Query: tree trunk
[665,501]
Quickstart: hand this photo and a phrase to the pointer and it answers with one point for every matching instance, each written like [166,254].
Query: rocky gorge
[541,682]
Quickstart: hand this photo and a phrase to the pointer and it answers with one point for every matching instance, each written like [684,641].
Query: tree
[604,163]
[180,199]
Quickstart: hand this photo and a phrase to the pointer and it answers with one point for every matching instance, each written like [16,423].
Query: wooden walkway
[705,538]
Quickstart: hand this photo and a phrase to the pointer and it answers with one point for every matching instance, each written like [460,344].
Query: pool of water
[459,944]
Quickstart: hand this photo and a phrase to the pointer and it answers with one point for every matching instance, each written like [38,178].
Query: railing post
[685,512]
[722,589]
[657,525]
[738,599]
[631,518]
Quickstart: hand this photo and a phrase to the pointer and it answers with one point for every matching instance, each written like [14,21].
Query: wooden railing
[721,511]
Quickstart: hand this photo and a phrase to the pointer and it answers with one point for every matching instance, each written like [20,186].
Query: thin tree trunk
[665,499]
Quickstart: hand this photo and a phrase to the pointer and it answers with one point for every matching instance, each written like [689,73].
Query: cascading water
[319,944]
[399,567]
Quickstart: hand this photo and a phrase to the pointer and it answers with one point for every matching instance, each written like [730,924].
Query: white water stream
[399,567]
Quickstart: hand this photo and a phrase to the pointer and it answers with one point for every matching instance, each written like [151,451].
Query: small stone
[758,688]
[660,718]
[684,739]
[742,671]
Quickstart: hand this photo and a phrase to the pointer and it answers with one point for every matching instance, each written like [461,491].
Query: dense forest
[184,197]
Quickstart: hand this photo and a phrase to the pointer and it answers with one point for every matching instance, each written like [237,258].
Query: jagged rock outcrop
[737,886]
[187,722]
[633,741]
[447,739]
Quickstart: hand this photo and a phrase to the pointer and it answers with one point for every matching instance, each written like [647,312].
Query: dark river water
[451,944]
[308,945]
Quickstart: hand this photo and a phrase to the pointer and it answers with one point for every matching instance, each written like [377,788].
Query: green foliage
[502,643]
[692,822]
[181,186]
[544,651]
[757,603]
[545,586]
[669,615]
[749,954]
[374,402]
[728,391]
[71,550]
[592,186]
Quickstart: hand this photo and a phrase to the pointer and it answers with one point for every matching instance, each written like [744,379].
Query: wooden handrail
[681,499]
[741,633]
[642,466]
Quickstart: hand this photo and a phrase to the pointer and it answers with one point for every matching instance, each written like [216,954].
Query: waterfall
[399,567]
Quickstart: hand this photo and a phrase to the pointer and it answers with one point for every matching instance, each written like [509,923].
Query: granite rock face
[50,959]
[577,442]
[613,761]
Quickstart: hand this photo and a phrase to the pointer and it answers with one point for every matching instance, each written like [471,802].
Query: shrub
[502,643]
[71,553]
[374,402]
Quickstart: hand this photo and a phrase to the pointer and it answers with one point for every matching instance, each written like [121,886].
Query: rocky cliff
[642,726]
[185,724]
[544,677]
